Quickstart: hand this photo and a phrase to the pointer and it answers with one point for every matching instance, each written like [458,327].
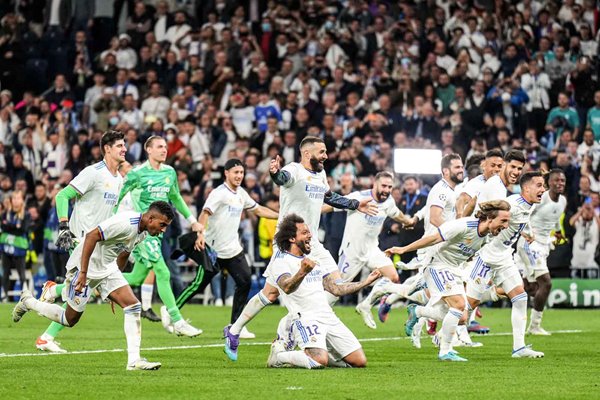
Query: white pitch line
[206,346]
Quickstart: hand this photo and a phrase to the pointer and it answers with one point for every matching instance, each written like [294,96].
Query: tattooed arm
[334,285]
[289,283]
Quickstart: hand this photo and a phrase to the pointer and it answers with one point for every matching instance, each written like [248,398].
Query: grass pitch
[198,369]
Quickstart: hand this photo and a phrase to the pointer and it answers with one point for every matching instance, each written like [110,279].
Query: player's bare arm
[89,245]
[289,283]
[334,284]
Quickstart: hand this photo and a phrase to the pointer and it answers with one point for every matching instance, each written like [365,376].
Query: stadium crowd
[221,79]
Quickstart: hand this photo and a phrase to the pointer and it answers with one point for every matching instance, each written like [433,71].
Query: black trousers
[12,262]
[239,270]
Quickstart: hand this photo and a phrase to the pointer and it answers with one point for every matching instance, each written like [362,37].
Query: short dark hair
[109,138]
[164,208]
[475,159]
[309,140]
[516,155]
[151,139]
[528,176]
[447,160]
[553,171]
[494,153]
[233,162]
[287,230]
[384,174]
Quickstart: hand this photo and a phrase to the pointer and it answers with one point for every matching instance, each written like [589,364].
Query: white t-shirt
[303,195]
[499,250]
[362,231]
[99,191]
[492,189]
[226,207]
[473,187]
[119,233]
[444,197]
[545,217]
[310,297]
[461,241]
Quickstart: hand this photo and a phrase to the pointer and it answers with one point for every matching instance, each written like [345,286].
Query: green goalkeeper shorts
[149,250]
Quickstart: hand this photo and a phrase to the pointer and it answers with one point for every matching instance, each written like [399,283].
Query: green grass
[395,370]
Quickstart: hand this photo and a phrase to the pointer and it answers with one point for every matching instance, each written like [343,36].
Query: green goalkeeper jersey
[148,185]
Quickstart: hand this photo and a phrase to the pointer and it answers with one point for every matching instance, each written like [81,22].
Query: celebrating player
[96,264]
[222,213]
[304,189]
[545,217]
[314,326]
[95,191]
[495,262]
[360,248]
[460,239]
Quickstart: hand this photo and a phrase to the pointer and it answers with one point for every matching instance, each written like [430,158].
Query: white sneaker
[165,319]
[246,334]
[229,301]
[527,352]
[49,345]
[538,331]
[183,328]
[48,292]
[20,309]
[219,302]
[364,310]
[276,347]
[143,365]
[415,338]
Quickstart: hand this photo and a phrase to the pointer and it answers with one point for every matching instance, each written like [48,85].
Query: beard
[382,196]
[454,178]
[315,164]
[303,247]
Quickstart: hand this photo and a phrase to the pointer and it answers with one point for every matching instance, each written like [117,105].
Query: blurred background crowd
[250,79]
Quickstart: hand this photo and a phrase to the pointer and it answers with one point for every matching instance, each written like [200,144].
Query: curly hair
[287,230]
[164,208]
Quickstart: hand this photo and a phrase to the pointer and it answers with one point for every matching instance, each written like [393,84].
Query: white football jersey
[443,196]
[545,217]
[492,189]
[119,233]
[362,231]
[473,187]
[226,207]
[310,297]
[99,191]
[499,250]
[461,241]
[303,195]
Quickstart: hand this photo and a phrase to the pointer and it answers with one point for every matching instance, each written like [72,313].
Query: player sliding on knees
[460,239]
[96,263]
[323,339]
[360,247]
[303,190]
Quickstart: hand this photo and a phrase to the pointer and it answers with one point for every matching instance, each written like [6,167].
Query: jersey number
[446,276]
[313,331]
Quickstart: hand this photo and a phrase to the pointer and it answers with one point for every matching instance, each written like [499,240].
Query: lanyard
[410,204]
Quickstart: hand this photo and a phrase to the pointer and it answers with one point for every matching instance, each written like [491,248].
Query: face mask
[220,6]
[487,57]
[113,121]
[170,137]
[329,25]
[266,27]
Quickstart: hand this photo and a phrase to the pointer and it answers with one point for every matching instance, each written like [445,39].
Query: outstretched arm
[265,212]
[425,241]
[333,283]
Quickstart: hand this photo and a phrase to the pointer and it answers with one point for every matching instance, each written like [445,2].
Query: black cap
[234,162]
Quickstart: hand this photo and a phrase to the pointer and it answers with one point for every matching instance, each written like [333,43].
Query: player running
[360,247]
[531,257]
[95,191]
[314,326]
[460,239]
[96,264]
[495,262]
[303,190]
[221,214]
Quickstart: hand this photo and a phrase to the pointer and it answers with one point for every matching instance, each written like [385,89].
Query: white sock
[463,334]
[419,296]
[297,359]
[392,298]
[418,328]
[256,303]
[518,318]
[132,322]
[381,287]
[147,291]
[536,318]
[437,312]
[53,312]
[449,325]
[284,332]
[472,315]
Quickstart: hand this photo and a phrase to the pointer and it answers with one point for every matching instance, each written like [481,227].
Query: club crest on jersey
[167,180]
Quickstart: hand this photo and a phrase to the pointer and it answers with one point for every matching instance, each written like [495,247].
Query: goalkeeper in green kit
[147,183]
